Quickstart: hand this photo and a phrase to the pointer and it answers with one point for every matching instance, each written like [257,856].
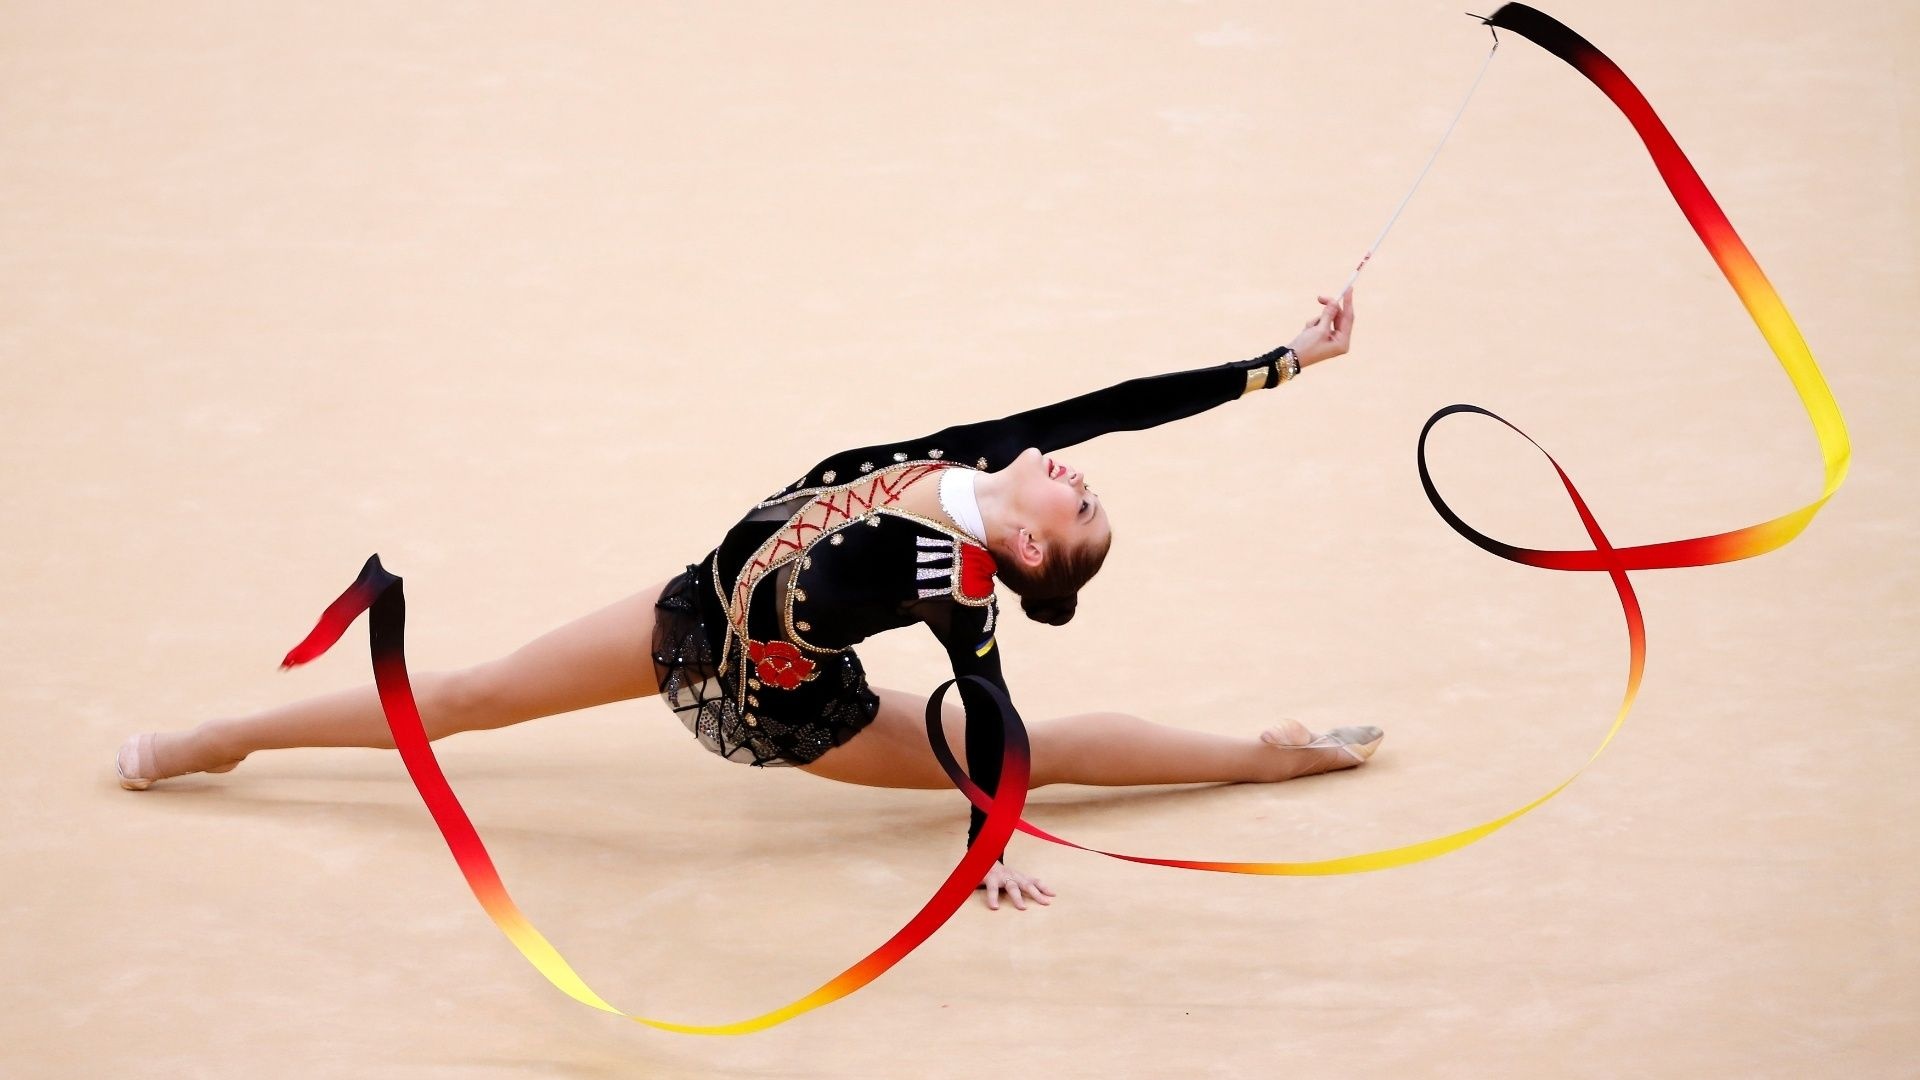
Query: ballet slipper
[136,754]
[1355,743]
[141,760]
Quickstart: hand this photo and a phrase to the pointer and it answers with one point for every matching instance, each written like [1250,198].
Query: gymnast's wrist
[1286,365]
[1268,371]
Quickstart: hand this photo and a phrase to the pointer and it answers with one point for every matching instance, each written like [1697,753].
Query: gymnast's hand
[1002,876]
[1328,334]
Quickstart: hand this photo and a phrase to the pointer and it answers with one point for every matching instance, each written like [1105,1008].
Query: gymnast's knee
[467,699]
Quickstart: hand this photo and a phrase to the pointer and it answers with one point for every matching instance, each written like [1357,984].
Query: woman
[752,646]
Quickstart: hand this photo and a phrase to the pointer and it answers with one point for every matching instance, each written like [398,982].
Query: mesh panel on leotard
[702,696]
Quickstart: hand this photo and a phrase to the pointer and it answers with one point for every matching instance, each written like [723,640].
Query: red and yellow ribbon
[1776,326]
[386,628]
[379,590]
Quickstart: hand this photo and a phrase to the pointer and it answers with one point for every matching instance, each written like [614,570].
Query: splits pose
[752,646]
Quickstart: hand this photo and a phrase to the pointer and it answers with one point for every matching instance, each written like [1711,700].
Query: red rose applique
[779,663]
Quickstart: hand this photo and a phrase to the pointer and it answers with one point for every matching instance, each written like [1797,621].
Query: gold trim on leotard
[880,488]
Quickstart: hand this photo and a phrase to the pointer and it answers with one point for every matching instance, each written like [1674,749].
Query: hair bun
[1052,610]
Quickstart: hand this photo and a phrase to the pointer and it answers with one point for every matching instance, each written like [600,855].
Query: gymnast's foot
[1341,748]
[157,755]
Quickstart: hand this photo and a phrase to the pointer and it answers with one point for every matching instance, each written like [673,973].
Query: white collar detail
[958,500]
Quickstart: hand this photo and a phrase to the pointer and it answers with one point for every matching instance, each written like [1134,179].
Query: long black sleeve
[1133,405]
[966,632]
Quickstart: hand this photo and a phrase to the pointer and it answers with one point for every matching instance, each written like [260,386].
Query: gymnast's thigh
[892,751]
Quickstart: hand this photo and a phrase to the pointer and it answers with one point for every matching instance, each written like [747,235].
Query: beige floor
[282,286]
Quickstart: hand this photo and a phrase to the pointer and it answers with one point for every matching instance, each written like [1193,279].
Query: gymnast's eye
[1083,506]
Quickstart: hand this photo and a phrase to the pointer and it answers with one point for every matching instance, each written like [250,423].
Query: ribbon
[381,591]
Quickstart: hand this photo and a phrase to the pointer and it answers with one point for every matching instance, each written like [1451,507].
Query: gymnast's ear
[1027,551]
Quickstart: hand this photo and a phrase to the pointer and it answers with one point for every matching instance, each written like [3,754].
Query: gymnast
[752,646]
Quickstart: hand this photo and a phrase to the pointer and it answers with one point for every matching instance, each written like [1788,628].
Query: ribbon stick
[1428,167]
[380,590]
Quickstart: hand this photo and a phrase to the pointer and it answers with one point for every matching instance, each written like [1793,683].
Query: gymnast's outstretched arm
[1148,401]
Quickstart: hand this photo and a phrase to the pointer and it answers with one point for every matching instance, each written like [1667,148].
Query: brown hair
[1050,593]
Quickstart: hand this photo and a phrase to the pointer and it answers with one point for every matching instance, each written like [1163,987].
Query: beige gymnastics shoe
[137,767]
[1352,745]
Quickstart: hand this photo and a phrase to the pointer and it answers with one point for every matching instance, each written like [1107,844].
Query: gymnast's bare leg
[602,657]
[1100,748]
[606,656]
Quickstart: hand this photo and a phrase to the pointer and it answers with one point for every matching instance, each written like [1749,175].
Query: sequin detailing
[779,664]
[800,487]
[824,513]
[965,567]
[696,689]
[945,554]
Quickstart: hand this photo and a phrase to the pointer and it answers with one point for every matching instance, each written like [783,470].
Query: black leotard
[827,562]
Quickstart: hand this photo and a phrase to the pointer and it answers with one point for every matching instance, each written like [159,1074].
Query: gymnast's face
[1054,506]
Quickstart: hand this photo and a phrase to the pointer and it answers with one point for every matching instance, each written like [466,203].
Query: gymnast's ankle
[209,746]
